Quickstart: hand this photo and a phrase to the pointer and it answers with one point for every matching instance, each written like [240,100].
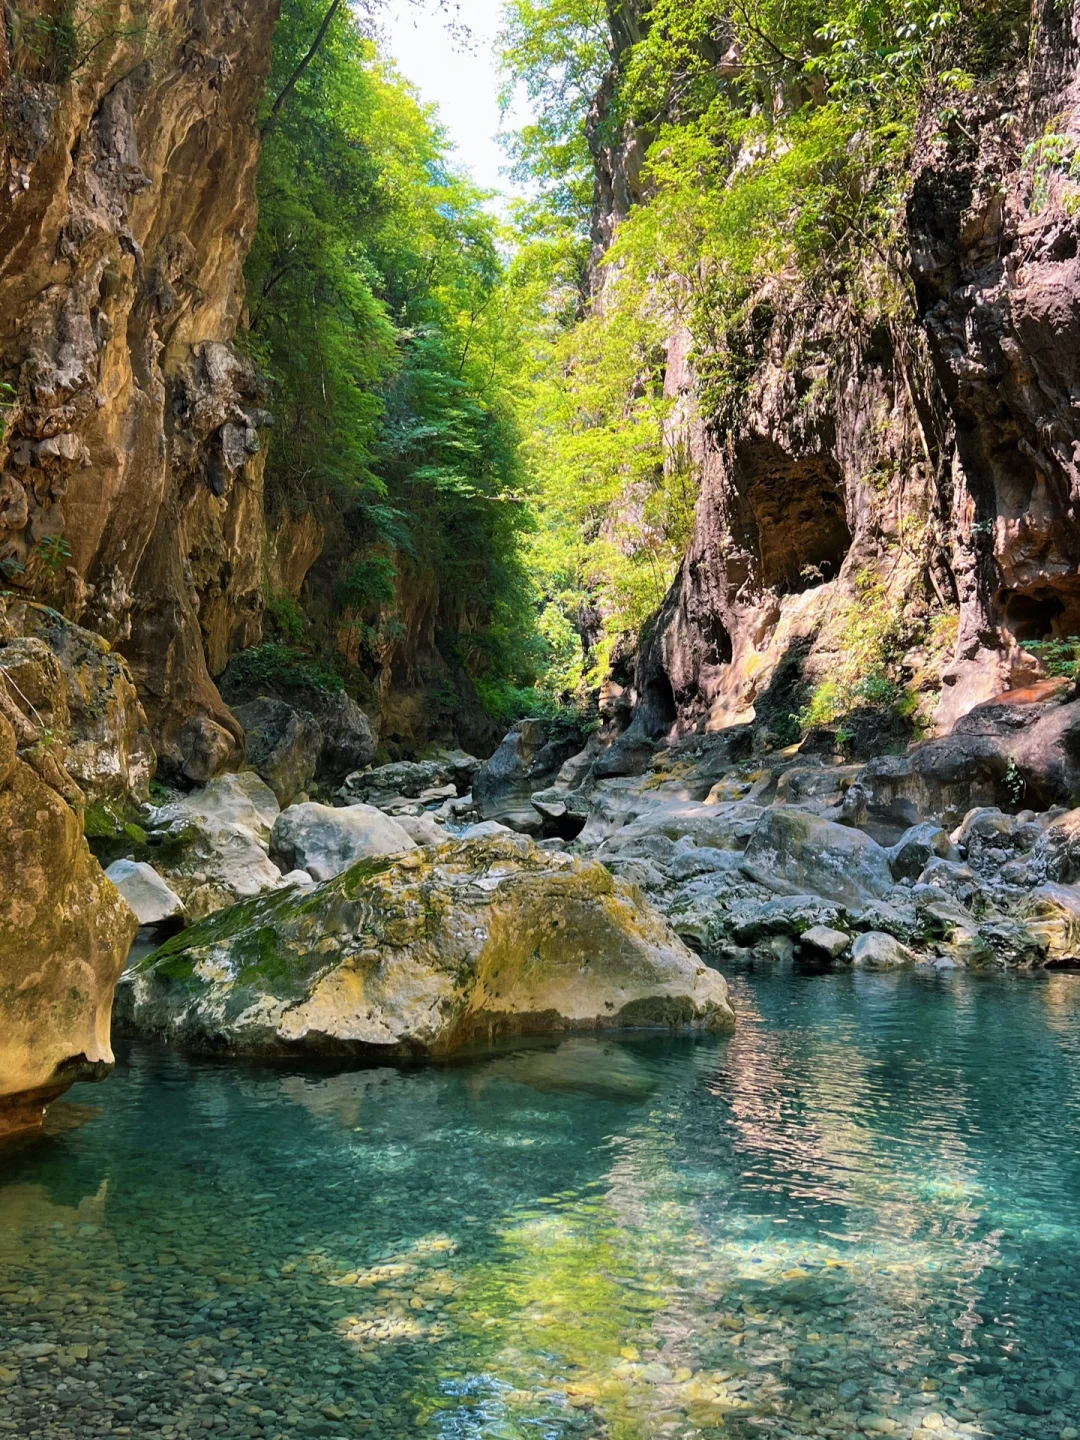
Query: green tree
[372,304]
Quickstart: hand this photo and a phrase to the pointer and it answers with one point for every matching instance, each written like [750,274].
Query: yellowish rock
[423,954]
[65,933]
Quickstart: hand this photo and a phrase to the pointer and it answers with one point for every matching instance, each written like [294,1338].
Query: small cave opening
[795,511]
[1040,614]
[716,642]
[657,709]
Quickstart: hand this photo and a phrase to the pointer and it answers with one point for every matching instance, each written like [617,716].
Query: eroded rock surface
[64,937]
[423,954]
[133,437]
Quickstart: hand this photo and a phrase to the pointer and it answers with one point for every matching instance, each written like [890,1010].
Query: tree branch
[290,84]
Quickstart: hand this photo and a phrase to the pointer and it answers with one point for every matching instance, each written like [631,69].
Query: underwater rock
[422,954]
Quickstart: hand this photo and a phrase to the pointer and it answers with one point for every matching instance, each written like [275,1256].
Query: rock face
[129,207]
[527,761]
[85,688]
[424,954]
[64,936]
[954,418]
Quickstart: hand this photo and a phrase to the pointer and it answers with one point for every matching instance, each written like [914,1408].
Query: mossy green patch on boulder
[422,953]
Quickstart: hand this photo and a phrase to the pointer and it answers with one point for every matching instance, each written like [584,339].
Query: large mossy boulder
[65,933]
[424,953]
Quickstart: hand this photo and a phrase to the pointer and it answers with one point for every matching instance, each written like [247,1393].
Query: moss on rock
[424,953]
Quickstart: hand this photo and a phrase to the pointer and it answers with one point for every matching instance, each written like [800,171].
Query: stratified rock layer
[128,210]
[423,954]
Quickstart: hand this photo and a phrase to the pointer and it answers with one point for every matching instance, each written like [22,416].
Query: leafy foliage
[776,139]
[275,666]
[372,304]
[1060,657]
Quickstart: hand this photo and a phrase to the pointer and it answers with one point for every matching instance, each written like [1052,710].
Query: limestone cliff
[130,472]
[924,462]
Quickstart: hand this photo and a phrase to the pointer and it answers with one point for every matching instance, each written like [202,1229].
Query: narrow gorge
[539,731]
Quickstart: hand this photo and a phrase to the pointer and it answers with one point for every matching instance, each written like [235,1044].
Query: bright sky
[462,82]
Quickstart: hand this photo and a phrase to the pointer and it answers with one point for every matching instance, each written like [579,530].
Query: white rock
[877,950]
[324,841]
[424,829]
[826,940]
[227,800]
[233,858]
[145,891]
[297,877]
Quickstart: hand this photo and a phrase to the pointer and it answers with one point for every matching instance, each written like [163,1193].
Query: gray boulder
[877,950]
[283,745]
[146,892]
[325,841]
[792,850]
[403,778]
[524,763]
[823,940]
[243,799]
[349,739]
[917,847]
[782,915]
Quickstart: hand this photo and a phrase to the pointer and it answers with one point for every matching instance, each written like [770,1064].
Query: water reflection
[856,1217]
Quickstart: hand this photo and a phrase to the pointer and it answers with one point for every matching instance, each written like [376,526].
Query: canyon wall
[918,455]
[130,465]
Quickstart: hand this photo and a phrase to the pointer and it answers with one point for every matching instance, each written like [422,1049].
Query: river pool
[859,1216]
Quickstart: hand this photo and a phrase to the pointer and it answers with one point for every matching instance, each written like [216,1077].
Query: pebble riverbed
[858,1217]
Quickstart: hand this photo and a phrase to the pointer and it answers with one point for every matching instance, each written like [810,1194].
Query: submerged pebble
[855,1219]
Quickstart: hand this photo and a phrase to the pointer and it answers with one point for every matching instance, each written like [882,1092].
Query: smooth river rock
[324,840]
[422,954]
[145,891]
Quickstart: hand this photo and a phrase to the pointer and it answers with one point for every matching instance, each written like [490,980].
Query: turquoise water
[860,1216]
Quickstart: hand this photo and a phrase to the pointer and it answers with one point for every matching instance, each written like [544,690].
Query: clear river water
[859,1216]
